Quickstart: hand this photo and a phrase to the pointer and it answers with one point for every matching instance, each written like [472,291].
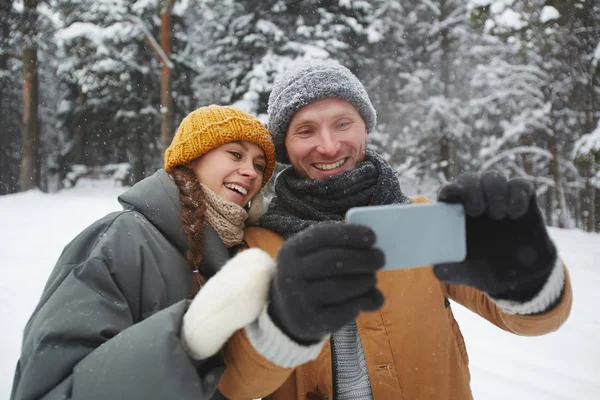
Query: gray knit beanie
[307,82]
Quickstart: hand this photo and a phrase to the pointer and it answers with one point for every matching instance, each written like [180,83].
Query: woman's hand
[230,300]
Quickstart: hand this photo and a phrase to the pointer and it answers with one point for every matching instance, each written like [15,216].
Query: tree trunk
[590,192]
[447,156]
[166,96]
[578,202]
[79,129]
[549,206]
[596,205]
[447,142]
[5,139]
[590,123]
[555,173]
[29,175]
[135,150]
[526,141]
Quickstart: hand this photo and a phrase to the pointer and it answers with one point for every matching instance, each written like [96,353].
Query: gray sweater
[350,368]
[351,375]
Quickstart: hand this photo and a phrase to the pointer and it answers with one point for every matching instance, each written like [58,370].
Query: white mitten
[230,300]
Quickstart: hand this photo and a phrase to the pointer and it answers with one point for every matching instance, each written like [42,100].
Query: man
[337,328]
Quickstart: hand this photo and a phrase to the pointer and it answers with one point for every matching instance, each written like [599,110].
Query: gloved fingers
[451,193]
[474,273]
[349,310]
[341,289]
[467,191]
[521,194]
[331,235]
[495,188]
[327,263]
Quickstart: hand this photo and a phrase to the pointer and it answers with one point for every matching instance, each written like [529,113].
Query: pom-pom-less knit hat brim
[307,82]
[209,127]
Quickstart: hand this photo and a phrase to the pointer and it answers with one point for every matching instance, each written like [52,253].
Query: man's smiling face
[325,138]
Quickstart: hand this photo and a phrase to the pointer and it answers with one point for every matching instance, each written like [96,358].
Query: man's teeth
[237,188]
[325,167]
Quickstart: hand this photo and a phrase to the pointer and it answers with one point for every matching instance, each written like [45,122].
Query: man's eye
[236,154]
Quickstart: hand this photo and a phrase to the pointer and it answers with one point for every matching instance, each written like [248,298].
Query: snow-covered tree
[10,92]
[27,93]
[587,158]
[248,42]
[111,104]
[422,63]
[555,40]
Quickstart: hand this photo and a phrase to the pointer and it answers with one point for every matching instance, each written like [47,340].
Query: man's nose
[328,145]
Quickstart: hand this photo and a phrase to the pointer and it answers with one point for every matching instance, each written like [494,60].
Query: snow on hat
[307,82]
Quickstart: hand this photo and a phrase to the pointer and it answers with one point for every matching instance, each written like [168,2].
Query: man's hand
[509,253]
[325,277]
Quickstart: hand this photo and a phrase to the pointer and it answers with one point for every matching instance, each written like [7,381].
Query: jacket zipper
[333,370]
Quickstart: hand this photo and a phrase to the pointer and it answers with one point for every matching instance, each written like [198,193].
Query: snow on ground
[562,365]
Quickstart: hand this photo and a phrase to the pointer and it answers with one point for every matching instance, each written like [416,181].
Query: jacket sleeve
[525,325]
[260,358]
[82,343]
[249,375]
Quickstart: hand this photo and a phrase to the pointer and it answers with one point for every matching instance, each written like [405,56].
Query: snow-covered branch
[151,41]
[587,144]
[514,151]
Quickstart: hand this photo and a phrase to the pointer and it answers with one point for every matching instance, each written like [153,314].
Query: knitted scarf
[226,218]
[300,203]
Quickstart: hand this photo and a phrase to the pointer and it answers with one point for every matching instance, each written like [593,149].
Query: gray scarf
[300,203]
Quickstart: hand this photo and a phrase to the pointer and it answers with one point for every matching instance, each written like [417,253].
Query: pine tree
[557,42]
[111,105]
[421,85]
[249,42]
[10,92]
[29,171]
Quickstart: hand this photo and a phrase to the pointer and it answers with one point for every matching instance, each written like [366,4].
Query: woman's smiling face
[234,171]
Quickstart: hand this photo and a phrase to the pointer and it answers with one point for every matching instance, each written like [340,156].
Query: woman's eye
[259,167]
[236,154]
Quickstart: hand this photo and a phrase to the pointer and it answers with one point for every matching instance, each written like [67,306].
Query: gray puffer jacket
[107,324]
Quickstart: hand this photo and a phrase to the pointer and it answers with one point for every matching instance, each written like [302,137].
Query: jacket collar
[157,199]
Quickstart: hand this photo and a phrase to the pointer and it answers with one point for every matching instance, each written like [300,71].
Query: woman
[115,319]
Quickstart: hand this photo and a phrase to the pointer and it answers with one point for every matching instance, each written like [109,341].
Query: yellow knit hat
[212,126]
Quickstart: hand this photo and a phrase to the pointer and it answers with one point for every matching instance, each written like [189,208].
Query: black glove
[509,253]
[325,277]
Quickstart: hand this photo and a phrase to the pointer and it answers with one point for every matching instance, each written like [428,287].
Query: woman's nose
[248,170]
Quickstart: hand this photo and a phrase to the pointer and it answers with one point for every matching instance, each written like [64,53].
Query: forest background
[97,87]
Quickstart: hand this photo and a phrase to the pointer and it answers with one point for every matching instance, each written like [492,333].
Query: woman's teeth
[325,167]
[237,188]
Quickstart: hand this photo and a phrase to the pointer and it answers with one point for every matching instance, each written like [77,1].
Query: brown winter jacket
[413,346]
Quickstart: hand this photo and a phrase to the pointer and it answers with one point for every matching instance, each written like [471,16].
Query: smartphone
[415,235]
